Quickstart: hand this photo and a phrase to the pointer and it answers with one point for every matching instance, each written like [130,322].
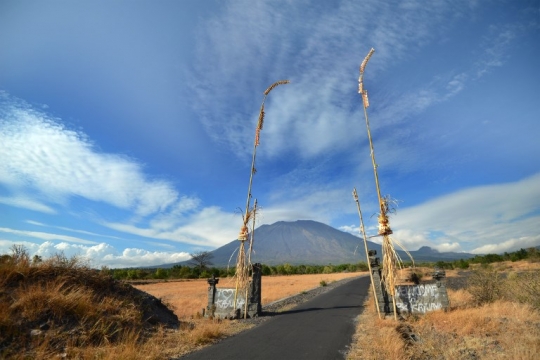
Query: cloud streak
[27,203]
[41,155]
[46,236]
[492,218]
[315,110]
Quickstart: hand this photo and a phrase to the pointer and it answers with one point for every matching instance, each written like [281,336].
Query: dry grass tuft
[49,307]
[376,338]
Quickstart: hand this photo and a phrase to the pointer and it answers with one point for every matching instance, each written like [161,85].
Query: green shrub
[328,269]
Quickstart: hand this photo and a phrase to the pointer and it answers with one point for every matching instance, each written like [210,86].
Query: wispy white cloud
[98,255]
[208,227]
[27,203]
[42,156]
[211,227]
[480,219]
[496,47]
[37,223]
[319,203]
[312,114]
[46,236]
[508,245]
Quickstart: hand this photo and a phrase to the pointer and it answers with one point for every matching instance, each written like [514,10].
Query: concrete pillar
[211,308]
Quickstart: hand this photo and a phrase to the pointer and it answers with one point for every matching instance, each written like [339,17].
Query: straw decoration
[271,87]
[259,125]
[391,262]
[366,59]
[365,99]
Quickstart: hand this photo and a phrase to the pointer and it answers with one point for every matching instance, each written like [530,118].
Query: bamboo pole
[355,196]
[389,268]
[251,239]
[243,235]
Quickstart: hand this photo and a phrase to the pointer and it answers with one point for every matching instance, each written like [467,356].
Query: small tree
[20,254]
[201,259]
[485,285]
[37,259]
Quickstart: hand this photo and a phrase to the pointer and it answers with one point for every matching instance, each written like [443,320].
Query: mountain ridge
[310,242]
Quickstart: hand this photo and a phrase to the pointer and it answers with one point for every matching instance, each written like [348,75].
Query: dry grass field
[494,317]
[189,297]
[62,308]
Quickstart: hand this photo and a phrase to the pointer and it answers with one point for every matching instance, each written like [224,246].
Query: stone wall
[221,301]
[411,299]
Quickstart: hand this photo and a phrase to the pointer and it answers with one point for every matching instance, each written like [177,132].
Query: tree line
[195,272]
[531,254]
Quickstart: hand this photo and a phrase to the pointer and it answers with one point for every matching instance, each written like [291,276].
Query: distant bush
[485,285]
[523,287]
[462,264]
[323,283]
[415,277]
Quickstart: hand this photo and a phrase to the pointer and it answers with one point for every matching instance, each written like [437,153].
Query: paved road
[321,328]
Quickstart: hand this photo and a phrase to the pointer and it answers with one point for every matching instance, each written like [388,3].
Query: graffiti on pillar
[419,299]
[221,300]
[225,300]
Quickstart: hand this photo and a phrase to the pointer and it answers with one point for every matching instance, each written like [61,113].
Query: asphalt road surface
[321,328]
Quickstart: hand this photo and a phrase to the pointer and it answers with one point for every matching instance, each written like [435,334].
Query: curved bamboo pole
[241,276]
[389,261]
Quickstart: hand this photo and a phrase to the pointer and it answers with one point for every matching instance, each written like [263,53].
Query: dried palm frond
[400,245]
[366,59]
[241,264]
[259,125]
[391,261]
[261,118]
[242,275]
[365,99]
[271,87]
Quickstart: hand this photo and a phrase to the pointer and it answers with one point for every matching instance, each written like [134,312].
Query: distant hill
[313,243]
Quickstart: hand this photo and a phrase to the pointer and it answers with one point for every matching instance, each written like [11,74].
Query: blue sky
[127,127]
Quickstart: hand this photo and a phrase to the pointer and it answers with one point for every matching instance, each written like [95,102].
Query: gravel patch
[458,282]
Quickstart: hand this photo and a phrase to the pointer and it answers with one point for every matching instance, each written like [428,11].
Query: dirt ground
[188,297]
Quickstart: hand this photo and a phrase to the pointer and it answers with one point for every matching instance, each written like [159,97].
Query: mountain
[299,242]
[427,254]
[312,243]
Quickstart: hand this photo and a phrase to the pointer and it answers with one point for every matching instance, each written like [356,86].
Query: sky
[127,127]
